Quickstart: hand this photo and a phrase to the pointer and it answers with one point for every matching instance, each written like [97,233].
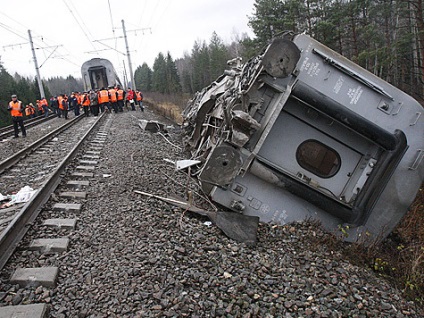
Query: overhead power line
[4,26]
[79,24]
[38,45]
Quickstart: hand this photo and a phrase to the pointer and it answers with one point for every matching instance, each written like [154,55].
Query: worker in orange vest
[39,108]
[85,101]
[16,109]
[45,106]
[120,96]
[139,99]
[79,101]
[30,110]
[103,95]
[63,105]
[113,99]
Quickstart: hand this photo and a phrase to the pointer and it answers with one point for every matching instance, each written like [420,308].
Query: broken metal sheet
[151,125]
[182,164]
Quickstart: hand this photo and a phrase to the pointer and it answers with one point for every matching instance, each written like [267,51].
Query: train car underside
[300,132]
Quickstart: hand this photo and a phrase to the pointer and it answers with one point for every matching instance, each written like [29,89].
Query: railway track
[38,166]
[8,130]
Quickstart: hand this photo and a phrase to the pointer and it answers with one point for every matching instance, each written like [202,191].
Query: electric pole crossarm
[108,46]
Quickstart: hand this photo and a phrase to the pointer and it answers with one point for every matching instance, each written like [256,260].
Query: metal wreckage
[300,132]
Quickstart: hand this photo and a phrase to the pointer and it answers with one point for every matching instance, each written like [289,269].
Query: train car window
[318,158]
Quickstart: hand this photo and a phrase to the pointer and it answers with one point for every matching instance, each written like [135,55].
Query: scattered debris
[22,196]
[239,227]
[151,125]
[182,164]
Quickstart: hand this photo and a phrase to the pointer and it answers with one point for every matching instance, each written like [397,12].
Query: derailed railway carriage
[300,132]
[98,73]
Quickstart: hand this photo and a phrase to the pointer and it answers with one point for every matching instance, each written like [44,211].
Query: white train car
[98,73]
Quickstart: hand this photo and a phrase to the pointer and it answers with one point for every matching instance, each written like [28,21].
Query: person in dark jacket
[73,104]
[53,105]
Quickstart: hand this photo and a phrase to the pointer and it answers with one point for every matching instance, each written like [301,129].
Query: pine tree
[218,56]
[172,78]
[143,76]
[159,74]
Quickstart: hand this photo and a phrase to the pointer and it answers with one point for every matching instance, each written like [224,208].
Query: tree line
[192,72]
[386,37]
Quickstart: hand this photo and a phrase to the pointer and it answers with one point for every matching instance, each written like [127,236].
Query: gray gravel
[10,145]
[132,256]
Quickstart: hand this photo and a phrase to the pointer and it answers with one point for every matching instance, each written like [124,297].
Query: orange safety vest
[85,100]
[60,100]
[138,96]
[16,108]
[29,111]
[120,94]
[112,93]
[103,96]
[44,102]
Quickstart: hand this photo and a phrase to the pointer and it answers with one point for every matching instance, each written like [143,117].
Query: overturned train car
[300,132]
[98,73]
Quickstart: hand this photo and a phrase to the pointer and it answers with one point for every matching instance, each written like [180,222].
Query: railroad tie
[54,245]
[73,195]
[62,223]
[74,207]
[25,311]
[77,184]
[44,276]
[83,174]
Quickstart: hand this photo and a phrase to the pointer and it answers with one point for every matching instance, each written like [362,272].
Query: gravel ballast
[134,256]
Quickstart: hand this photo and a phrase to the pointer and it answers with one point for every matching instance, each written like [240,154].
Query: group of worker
[114,98]
[41,109]
[96,101]
[104,99]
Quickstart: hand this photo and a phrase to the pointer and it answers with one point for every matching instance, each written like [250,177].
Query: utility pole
[37,70]
[129,57]
[125,75]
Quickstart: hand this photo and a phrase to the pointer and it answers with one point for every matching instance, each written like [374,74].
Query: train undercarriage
[300,132]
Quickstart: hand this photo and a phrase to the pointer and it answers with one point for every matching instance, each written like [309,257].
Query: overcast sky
[66,33]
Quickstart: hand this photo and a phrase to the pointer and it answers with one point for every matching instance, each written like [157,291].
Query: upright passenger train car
[301,132]
[98,73]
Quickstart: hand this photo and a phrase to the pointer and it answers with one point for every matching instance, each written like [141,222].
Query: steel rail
[8,130]
[8,162]
[15,231]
